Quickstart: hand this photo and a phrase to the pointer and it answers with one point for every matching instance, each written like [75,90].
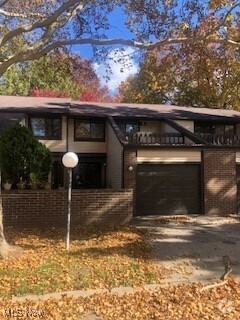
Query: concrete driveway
[192,248]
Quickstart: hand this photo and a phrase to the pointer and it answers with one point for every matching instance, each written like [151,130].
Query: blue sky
[119,74]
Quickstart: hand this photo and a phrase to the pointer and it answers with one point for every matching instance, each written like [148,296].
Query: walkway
[192,248]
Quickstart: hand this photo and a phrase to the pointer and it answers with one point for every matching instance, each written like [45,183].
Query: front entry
[168,189]
[90,173]
[88,176]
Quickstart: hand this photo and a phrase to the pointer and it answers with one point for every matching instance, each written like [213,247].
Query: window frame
[90,121]
[126,123]
[213,125]
[51,118]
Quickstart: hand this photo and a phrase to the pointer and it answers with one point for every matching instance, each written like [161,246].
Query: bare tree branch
[224,19]
[42,23]
[140,45]
[39,49]
[21,15]
[3,3]
[45,33]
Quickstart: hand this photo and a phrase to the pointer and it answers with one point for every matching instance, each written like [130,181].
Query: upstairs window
[89,130]
[129,126]
[214,128]
[46,128]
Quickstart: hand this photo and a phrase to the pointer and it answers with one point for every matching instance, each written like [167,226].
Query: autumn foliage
[198,75]
[99,257]
[102,258]
[35,92]
[57,75]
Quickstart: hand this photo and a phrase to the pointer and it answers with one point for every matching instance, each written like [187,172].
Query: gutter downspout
[67,127]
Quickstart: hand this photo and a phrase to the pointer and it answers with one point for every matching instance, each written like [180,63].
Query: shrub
[21,153]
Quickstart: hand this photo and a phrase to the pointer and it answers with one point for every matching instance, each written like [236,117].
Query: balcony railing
[170,138]
[220,139]
[152,138]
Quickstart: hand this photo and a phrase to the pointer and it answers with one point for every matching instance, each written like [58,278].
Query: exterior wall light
[69,160]
[130,168]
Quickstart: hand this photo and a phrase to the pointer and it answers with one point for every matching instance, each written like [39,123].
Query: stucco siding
[114,159]
[168,156]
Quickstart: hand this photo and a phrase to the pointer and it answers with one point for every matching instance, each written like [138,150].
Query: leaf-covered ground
[98,258]
[102,258]
[183,302]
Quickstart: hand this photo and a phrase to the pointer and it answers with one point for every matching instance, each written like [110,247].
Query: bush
[21,153]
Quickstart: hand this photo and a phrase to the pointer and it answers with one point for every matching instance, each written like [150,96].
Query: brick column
[129,177]
[220,188]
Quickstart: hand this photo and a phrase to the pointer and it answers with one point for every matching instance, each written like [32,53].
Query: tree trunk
[5,248]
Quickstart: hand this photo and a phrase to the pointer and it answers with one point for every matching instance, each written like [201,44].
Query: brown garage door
[238,188]
[168,189]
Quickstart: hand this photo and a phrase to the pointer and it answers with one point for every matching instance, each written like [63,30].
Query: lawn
[175,302]
[102,258]
[98,258]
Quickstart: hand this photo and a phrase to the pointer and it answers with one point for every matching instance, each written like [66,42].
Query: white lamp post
[69,160]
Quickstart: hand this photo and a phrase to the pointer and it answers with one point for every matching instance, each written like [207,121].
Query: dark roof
[34,104]
[8,119]
[151,111]
[147,111]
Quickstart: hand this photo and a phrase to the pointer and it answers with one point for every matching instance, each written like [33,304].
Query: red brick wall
[49,207]
[129,177]
[220,189]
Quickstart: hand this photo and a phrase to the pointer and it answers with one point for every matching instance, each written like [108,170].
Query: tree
[150,84]
[21,154]
[210,77]
[58,74]
[199,75]
[31,29]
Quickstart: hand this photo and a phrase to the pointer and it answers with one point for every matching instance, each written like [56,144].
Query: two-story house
[177,160]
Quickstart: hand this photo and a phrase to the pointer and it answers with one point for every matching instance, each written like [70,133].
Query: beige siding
[84,146]
[54,145]
[151,126]
[23,122]
[58,145]
[187,124]
[165,128]
[238,156]
[114,159]
[238,128]
[168,156]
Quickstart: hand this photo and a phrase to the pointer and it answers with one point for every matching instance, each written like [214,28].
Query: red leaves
[35,92]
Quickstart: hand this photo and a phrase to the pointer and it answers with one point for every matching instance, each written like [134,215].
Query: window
[46,127]
[85,130]
[213,128]
[129,127]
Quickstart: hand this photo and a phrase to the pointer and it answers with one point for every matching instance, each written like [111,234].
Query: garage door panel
[168,189]
[174,207]
[238,187]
